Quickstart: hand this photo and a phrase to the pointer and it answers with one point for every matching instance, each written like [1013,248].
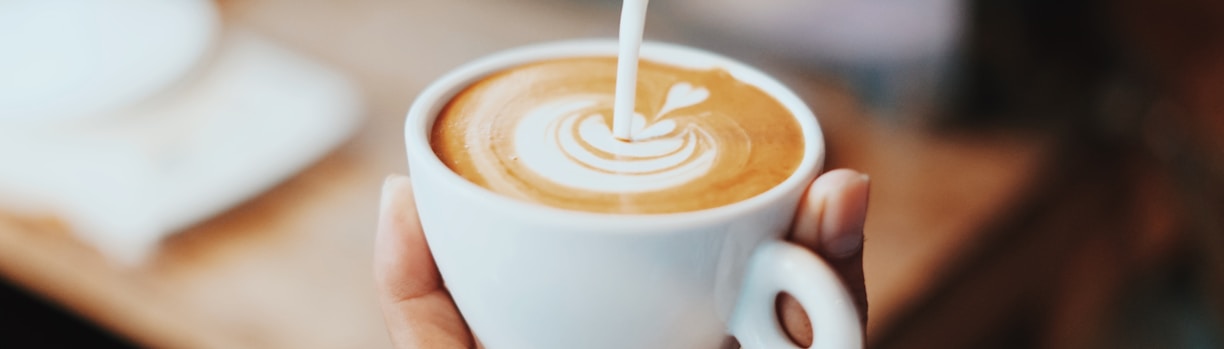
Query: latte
[542,133]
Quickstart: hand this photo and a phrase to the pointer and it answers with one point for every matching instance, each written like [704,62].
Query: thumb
[418,311]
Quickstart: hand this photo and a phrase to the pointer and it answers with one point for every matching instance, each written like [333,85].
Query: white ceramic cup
[526,275]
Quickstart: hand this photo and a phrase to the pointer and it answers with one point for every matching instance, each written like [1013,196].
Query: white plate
[69,59]
[255,115]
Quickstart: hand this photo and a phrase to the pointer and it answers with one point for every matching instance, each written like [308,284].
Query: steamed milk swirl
[568,142]
[542,133]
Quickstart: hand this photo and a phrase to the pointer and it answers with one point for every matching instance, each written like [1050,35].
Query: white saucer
[254,115]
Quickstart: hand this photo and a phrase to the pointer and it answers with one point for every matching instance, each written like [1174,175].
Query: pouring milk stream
[633,23]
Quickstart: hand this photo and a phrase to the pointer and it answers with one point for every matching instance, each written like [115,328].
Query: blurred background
[200,174]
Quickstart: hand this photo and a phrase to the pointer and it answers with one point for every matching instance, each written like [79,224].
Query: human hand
[419,312]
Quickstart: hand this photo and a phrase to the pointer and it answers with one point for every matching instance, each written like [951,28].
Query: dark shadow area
[27,321]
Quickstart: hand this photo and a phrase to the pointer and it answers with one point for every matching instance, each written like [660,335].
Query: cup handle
[777,267]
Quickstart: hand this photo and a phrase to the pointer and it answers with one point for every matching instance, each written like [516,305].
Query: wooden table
[291,268]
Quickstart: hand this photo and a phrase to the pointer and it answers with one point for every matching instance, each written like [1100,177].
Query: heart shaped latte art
[569,142]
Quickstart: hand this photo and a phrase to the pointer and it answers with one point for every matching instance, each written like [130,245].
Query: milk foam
[568,142]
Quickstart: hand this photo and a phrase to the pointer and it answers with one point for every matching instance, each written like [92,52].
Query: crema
[542,132]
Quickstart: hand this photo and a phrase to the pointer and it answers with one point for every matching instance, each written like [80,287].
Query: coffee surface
[541,132]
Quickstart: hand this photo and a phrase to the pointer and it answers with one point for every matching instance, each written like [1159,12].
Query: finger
[830,222]
[418,311]
[835,232]
[841,236]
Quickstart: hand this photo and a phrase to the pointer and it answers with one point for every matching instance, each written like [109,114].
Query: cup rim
[425,108]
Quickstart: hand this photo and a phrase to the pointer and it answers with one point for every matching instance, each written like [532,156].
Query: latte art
[570,142]
[543,133]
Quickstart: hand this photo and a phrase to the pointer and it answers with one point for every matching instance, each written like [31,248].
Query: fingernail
[845,245]
[843,225]
[388,189]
